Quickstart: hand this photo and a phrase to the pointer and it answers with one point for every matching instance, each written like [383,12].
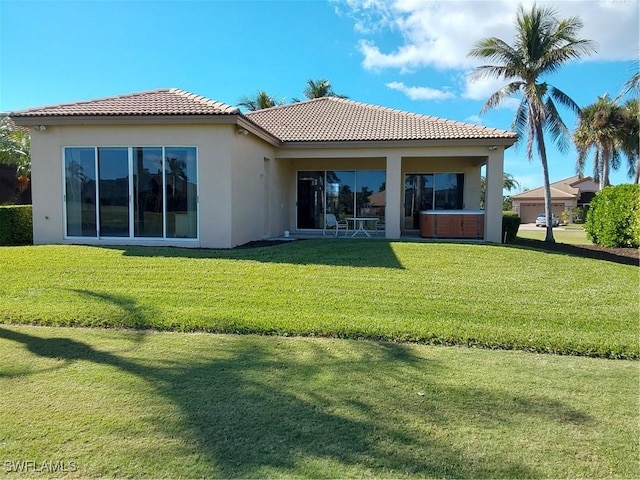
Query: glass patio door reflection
[344,193]
[113,172]
[131,192]
[310,200]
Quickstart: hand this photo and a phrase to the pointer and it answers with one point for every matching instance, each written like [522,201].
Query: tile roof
[336,119]
[562,189]
[324,119]
[155,102]
[10,124]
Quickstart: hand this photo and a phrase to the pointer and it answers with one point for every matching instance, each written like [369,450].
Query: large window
[431,191]
[344,193]
[131,192]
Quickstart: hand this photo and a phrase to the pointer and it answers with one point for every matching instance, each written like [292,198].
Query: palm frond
[564,99]
[497,98]
[556,127]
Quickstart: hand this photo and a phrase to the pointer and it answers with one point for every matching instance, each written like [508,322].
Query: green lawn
[440,293]
[572,234]
[142,404]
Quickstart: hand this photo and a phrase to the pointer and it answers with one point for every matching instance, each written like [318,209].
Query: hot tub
[452,224]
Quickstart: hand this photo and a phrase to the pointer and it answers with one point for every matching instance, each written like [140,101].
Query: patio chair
[381,226]
[331,222]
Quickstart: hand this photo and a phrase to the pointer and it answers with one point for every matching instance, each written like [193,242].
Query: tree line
[315,89]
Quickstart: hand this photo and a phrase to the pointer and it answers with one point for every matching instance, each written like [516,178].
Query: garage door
[529,211]
[558,208]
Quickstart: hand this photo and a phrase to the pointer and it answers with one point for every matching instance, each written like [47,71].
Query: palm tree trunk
[606,160]
[637,175]
[548,207]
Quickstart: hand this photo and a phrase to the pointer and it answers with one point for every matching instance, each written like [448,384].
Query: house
[567,194]
[168,167]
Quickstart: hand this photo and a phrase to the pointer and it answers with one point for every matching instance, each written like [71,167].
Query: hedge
[16,225]
[510,225]
[613,219]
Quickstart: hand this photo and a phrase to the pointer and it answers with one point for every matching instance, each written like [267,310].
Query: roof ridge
[92,100]
[380,108]
[204,100]
[160,101]
[410,114]
[283,106]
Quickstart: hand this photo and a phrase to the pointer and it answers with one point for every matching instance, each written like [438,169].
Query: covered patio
[393,190]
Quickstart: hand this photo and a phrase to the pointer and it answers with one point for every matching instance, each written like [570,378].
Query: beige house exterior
[167,167]
[566,194]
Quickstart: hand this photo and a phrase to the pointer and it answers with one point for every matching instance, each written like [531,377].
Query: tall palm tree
[541,46]
[320,88]
[602,128]
[631,137]
[261,100]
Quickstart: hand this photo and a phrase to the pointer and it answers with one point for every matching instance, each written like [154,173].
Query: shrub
[510,225]
[16,225]
[613,219]
[579,214]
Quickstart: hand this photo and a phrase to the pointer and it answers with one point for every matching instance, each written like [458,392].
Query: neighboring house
[167,167]
[567,194]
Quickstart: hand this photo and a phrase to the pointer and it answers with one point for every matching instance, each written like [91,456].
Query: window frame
[131,203]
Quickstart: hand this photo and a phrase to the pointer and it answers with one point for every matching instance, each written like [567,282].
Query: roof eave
[145,119]
[257,130]
[504,142]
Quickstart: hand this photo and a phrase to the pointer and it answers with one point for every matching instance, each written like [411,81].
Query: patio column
[393,200]
[493,196]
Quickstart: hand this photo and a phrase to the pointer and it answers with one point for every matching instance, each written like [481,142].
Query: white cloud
[440,33]
[481,89]
[420,93]
[475,119]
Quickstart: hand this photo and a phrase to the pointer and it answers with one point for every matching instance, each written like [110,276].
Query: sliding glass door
[181,181]
[148,195]
[80,192]
[310,202]
[113,172]
[345,193]
[131,192]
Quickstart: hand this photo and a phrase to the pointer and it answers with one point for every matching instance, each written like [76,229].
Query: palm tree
[602,128]
[633,84]
[541,46]
[509,183]
[631,137]
[15,150]
[320,88]
[260,101]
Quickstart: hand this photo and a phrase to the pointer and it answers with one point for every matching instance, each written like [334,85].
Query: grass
[571,234]
[122,404]
[465,294]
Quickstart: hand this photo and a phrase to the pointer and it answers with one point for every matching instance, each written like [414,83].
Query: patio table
[358,224]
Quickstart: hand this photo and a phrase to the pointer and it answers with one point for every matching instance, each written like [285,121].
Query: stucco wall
[252,190]
[214,144]
[247,187]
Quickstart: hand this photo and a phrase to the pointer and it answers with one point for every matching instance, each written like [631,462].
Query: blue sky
[404,54]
